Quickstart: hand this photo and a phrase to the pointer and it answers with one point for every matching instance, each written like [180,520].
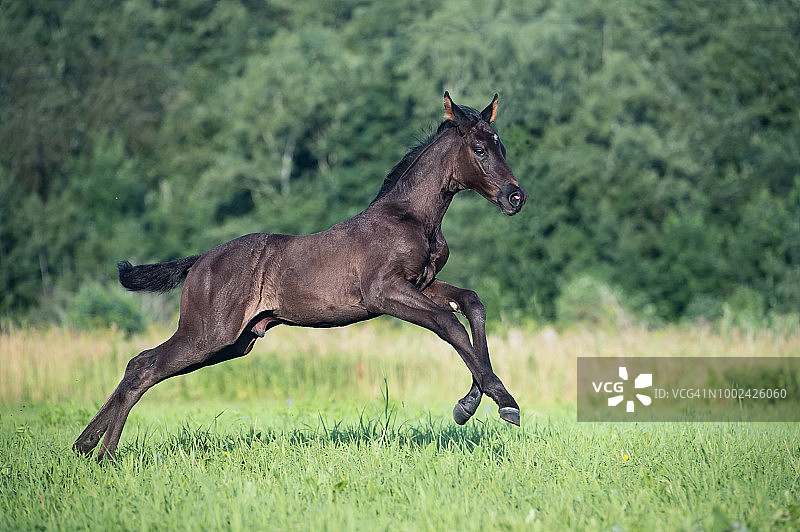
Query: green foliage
[659,141]
[96,306]
[744,309]
[589,301]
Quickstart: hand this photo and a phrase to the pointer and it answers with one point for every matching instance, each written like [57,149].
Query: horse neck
[425,190]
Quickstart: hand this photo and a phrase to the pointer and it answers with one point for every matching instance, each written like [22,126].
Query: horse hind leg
[109,412]
[176,356]
[91,435]
[111,416]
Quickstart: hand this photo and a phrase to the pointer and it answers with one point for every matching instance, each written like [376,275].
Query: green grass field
[302,435]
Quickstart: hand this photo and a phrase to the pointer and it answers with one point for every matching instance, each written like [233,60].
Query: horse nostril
[515,199]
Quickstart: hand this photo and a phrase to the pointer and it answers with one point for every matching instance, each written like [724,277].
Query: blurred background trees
[659,141]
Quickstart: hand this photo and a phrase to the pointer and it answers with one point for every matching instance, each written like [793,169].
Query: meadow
[351,429]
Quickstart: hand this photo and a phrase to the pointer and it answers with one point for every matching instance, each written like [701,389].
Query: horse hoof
[460,414]
[83,447]
[510,414]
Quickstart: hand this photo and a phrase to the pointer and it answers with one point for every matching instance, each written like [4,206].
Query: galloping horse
[381,261]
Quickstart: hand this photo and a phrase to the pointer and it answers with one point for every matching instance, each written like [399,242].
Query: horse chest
[417,260]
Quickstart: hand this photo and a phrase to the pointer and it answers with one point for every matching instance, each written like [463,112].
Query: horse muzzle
[511,198]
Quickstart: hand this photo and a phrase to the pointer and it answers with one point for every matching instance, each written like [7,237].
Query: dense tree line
[659,140]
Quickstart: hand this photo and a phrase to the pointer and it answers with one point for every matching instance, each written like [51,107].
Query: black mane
[400,168]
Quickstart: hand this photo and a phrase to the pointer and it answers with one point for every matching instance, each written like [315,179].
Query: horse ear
[451,110]
[490,113]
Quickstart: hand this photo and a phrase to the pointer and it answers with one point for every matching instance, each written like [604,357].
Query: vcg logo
[644,380]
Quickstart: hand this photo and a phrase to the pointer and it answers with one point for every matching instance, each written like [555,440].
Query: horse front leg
[466,407]
[402,300]
[468,303]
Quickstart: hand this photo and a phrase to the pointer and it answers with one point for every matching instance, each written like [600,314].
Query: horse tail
[161,277]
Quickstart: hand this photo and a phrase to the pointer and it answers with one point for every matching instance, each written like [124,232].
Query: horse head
[482,157]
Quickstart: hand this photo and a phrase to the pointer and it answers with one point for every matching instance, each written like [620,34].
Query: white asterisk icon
[644,380]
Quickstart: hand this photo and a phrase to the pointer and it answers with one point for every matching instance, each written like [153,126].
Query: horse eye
[479,151]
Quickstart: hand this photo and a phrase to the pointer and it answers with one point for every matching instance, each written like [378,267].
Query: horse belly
[324,319]
[330,298]
[320,314]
